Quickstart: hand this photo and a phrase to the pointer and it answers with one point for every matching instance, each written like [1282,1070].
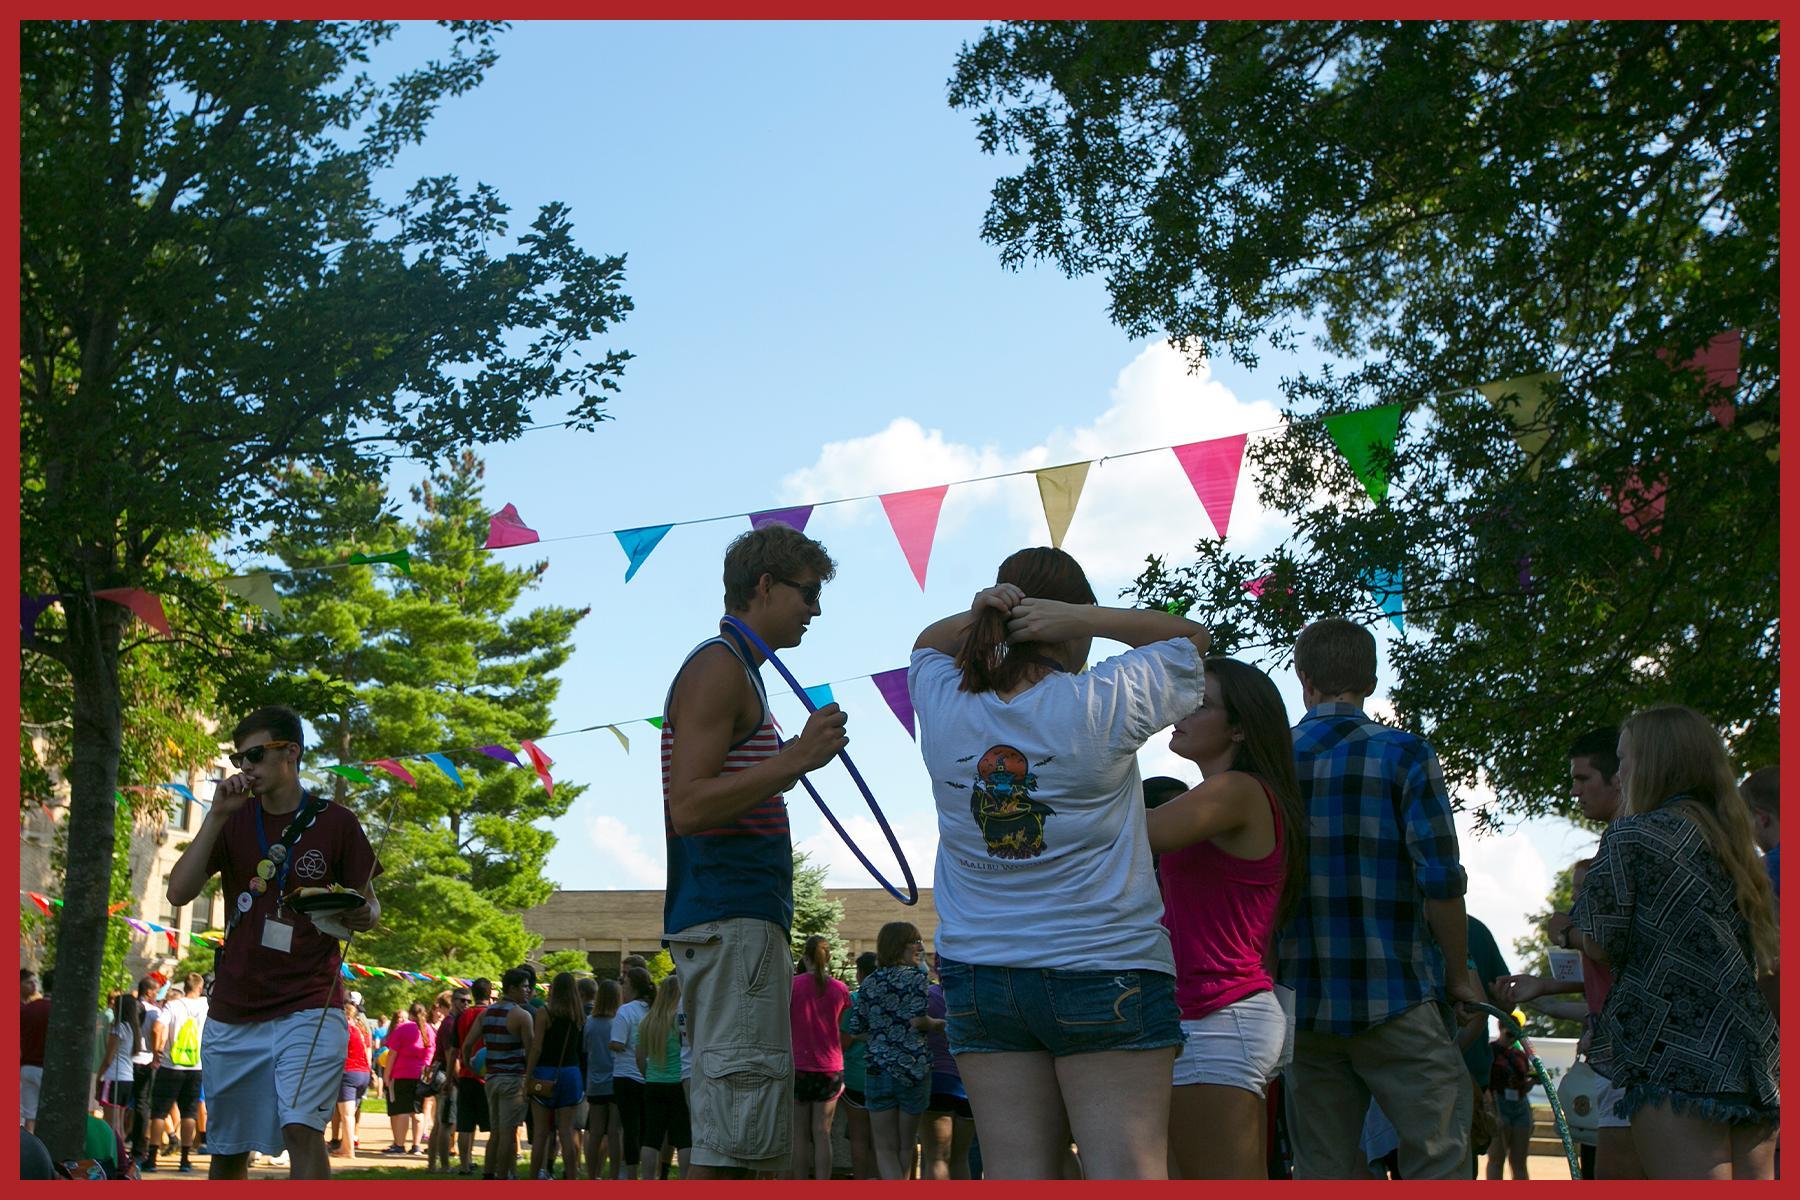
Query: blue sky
[817,317]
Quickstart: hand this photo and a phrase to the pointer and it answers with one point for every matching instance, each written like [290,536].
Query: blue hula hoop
[893,843]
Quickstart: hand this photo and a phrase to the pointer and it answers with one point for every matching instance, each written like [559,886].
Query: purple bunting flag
[796,517]
[892,686]
[501,753]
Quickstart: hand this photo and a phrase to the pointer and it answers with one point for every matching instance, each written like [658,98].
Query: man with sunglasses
[276,1034]
[729,902]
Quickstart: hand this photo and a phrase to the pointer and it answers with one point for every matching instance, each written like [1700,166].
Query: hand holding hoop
[912,888]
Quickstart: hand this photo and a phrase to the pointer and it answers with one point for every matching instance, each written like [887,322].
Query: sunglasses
[254,755]
[809,592]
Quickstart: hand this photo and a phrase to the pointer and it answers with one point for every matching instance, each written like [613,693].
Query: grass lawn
[375,1104]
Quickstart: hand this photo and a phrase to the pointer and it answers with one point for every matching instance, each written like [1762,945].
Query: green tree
[210,288]
[814,912]
[434,658]
[1444,205]
[1534,956]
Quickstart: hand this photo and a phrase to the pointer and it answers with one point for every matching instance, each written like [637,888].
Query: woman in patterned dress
[1678,905]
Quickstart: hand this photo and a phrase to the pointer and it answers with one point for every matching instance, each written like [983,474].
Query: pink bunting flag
[501,753]
[1641,505]
[505,528]
[541,763]
[1256,587]
[914,516]
[1718,360]
[149,609]
[892,686]
[393,767]
[1213,467]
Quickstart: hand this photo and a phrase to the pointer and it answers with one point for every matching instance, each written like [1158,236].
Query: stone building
[607,925]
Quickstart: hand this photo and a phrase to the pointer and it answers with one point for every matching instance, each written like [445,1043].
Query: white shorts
[1237,1046]
[1604,1100]
[31,1080]
[252,1070]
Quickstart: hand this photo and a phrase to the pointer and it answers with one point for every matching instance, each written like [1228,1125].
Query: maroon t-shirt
[34,1028]
[254,982]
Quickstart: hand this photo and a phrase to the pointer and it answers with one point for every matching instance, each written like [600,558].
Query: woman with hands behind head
[1058,974]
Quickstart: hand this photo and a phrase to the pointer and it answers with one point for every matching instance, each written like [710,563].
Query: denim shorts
[1023,1010]
[884,1092]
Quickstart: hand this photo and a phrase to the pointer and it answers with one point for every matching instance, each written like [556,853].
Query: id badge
[278,935]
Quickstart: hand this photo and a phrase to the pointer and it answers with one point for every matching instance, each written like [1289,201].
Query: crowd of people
[1267,973]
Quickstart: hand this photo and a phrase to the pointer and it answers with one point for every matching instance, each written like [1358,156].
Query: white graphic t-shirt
[1042,856]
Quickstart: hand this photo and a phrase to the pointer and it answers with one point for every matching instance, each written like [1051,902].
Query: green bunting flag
[353,774]
[399,558]
[1366,439]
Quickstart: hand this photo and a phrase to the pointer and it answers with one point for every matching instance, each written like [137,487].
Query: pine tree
[387,663]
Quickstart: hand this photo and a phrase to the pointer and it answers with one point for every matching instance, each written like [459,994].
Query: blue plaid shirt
[1358,950]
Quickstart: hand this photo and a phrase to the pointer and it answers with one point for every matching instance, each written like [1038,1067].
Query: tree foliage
[815,912]
[210,289]
[1441,205]
[386,664]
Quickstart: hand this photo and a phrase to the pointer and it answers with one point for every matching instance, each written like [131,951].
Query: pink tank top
[1220,912]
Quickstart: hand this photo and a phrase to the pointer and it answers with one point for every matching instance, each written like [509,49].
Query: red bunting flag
[914,516]
[1641,505]
[1718,360]
[149,609]
[506,528]
[1212,467]
[392,767]
[542,763]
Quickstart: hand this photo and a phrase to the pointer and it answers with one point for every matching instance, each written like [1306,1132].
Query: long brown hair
[565,998]
[987,662]
[815,958]
[1253,704]
[1678,760]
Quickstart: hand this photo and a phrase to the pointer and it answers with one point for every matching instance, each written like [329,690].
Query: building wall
[607,925]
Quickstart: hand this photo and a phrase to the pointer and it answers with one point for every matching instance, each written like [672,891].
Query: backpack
[184,1050]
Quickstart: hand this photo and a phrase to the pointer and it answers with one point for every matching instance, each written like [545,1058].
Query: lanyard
[276,859]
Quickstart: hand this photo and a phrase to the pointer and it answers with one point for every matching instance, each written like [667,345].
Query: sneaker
[545,1175]
[334,1145]
[147,1163]
[394,1149]
[186,1167]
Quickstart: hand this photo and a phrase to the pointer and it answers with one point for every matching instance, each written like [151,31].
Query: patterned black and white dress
[1685,1023]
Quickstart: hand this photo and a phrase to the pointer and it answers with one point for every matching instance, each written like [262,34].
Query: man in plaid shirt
[1382,914]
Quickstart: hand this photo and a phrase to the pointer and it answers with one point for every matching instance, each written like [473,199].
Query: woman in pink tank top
[1233,862]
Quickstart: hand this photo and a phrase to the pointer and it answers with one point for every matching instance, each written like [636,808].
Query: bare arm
[1219,805]
[704,709]
[189,874]
[537,1046]
[1449,922]
[1051,621]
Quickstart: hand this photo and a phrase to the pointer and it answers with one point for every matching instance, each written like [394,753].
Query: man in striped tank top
[504,1031]
[730,898]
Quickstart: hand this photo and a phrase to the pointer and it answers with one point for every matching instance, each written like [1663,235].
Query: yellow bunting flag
[257,588]
[620,734]
[1060,490]
[1527,415]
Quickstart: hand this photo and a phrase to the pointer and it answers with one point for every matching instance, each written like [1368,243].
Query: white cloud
[1508,876]
[918,841]
[624,861]
[1130,507]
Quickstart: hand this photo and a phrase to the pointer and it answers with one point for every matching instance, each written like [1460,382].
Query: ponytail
[987,662]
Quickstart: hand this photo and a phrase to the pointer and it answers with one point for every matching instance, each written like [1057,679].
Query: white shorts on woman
[1237,1046]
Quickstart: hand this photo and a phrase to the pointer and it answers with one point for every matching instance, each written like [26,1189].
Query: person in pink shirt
[413,1042]
[1233,858]
[817,1003]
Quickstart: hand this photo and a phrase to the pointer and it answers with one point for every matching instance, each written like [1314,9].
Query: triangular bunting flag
[541,763]
[914,516]
[506,529]
[392,767]
[1366,440]
[796,517]
[258,588]
[655,722]
[1641,505]
[1385,585]
[399,558]
[182,790]
[1719,360]
[443,763]
[30,609]
[820,695]
[1213,467]
[638,543]
[1255,586]
[1060,490]
[149,609]
[620,734]
[40,901]
[353,774]
[892,686]
[501,753]
[1527,414]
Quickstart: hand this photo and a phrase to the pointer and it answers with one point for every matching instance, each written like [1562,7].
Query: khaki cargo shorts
[736,983]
